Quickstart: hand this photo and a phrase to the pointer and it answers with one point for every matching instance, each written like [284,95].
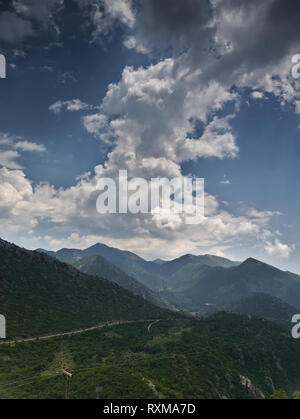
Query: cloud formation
[10,148]
[14,29]
[178,109]
[26,16]
[104,15]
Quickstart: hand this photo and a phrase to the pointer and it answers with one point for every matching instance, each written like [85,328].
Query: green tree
[279,395]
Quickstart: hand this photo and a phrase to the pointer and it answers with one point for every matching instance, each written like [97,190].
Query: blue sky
[168,89]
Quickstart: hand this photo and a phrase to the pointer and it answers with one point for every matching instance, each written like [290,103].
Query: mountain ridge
[264,306]
[99,266]
[195,282]
[149,273]
[40,294]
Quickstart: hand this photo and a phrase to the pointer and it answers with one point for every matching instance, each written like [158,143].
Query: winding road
[79,331]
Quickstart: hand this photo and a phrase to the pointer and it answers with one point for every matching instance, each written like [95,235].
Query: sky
[170,88]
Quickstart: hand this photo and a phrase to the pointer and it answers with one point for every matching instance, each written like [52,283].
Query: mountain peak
[159,261]
[97,245]
[251,262]
[188,256]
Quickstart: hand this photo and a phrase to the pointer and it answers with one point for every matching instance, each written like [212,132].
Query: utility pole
[69,376]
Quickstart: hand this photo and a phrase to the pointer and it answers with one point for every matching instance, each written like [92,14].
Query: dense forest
[224,356]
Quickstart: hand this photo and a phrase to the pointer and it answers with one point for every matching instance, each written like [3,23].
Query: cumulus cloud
[104,15]
[29,16]
[71,219]
[151,119]
[213,36]
[152,114]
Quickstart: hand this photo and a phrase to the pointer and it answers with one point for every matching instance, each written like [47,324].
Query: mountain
[39,295]
[218,286]
[223,356]
[184,264]
[99,266]
[133,265]
[151,274]
[265,307]
[185,271]
[198,283]
[159,261]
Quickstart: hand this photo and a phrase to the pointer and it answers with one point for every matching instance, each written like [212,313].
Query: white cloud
[71,212]
[278,249]
[8,159]
[30,146]
[8,146]
[257,95]
[120,9]
[261,61]
[152,114]
[216,141]
[73,105]
[151,118]
[96,125]
[254,213]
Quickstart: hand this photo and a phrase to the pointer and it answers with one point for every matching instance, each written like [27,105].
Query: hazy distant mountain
[264,306]
[197,282]
[219,286]
[195,262]
[133,265]
[151,274]
[185,271]
[99,266]
[40,294]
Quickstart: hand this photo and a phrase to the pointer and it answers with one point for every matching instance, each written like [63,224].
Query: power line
[134,358]
[96,366]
